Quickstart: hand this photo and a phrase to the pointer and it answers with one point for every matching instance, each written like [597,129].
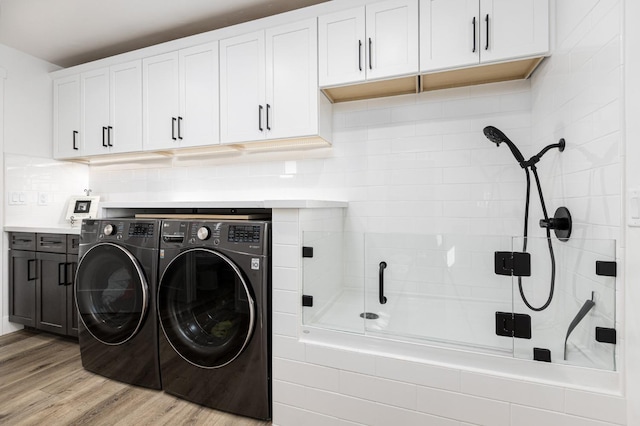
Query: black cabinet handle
[109,129]
[260,118]
[62,274]
[173,128]
[381,297]
[268,108]
[75,133]
[31,275]
[104,139]
[360,55]
[486,19]
[370,55]
[179,128]
[474,34]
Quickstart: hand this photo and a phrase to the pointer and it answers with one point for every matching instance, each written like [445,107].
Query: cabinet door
[513,28]
[341,47]
[22,287]
[292,82]
[392,38]
[242,88]
[125,94]
[94,106]
[51,293]
[199,98]
[66,117]
[449,34]
[160,101]
[72,309]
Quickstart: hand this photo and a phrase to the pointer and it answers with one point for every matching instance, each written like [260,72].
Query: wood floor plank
[42,382]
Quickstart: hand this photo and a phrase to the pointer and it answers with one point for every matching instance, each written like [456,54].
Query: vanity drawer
[51,243]
[22,241]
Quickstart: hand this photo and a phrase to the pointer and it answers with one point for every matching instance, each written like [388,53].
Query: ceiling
[71,32]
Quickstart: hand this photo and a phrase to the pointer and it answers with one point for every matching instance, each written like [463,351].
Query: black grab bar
[381,297]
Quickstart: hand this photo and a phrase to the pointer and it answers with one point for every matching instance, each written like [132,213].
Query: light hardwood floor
[42,382]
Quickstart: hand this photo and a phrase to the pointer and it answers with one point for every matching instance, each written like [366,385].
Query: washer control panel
[245,236]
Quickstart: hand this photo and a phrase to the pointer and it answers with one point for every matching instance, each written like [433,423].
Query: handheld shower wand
[498,137]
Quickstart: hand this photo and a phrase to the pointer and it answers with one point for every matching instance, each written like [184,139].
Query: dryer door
[206,308]
[111,293]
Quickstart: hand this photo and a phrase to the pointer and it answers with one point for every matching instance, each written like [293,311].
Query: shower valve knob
[560,223]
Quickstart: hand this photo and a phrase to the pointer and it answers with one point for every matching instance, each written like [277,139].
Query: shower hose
[526,232]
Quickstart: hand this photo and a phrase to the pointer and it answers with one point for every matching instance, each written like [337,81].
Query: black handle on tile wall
[381,297]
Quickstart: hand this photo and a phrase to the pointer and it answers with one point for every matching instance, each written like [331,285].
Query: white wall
[631,38]
[26,155]
[28,104]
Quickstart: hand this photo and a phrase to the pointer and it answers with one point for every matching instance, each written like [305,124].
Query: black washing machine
[115,286]
[214,312]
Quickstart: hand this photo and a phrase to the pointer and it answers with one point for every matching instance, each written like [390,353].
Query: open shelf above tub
[492,73]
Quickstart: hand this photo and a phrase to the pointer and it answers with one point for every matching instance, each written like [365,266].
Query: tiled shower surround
[420,164]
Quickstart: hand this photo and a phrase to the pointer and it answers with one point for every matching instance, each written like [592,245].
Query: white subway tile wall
[37,190]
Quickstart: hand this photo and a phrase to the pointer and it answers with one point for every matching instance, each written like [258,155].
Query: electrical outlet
[43,198]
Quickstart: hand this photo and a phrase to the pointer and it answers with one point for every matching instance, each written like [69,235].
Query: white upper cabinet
[460,33]
[199,96]
[242,88]
[180,98]
[292,80]
[67,140]
[111,109]
[513,29]
[269,84]
[374,42]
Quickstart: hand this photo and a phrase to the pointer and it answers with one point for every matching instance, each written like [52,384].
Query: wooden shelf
[482,74]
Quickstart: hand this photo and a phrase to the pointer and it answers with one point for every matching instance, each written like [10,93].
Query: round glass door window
[111,293]
[206,310]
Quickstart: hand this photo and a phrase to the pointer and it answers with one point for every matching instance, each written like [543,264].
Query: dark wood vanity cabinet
[41,274]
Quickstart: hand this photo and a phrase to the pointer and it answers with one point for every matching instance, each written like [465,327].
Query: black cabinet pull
[268,108]
[381,297]
[75,133]
[360,55]
[179,128]
[173,128]
[31,275]
[486,19]
[260,118]
[104,139]
[474,34]
[62,274]
[109,129]
[370,54]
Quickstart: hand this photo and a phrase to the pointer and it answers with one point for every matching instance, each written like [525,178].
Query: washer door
[206,310]
[111,293]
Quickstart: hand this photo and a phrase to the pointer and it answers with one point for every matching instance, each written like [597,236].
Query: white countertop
[246,204]
[44,229]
